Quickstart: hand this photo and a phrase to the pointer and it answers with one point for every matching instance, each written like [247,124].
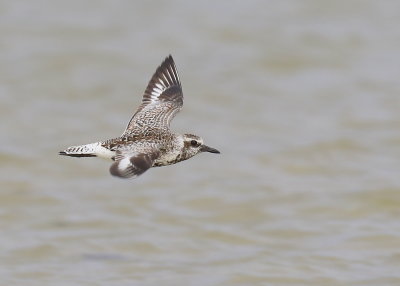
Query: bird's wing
[130,164]
[162,99]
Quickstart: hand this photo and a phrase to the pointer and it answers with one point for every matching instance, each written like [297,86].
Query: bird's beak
[205,148]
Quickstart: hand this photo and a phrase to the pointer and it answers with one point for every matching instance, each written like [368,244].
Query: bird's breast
[167,158]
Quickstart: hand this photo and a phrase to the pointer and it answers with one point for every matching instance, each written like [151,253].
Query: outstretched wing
[131,165]
[162,98]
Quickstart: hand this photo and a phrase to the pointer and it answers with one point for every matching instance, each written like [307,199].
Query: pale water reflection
[301,97]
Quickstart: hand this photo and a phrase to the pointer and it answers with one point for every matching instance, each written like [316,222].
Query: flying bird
[147,140]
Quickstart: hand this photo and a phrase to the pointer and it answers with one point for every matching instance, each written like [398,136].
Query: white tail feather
[88,150]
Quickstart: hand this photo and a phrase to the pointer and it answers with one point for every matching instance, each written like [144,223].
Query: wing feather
[131,165]
[163,96]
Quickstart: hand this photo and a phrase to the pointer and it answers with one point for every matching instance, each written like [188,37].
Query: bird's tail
[88,150]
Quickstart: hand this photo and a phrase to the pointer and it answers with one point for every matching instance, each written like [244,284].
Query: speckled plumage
[147,140]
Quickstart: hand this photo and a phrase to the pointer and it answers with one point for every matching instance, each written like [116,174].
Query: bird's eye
[194,143]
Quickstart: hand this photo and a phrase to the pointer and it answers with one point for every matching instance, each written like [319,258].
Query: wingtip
[166,71]
[169,59]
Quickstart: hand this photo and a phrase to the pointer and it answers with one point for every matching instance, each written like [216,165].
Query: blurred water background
[301,97]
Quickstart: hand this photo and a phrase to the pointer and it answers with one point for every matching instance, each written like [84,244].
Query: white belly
[104,153]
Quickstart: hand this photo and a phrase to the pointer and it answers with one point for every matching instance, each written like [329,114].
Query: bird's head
[193,144]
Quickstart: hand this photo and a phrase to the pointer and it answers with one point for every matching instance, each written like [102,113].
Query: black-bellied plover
[147,140]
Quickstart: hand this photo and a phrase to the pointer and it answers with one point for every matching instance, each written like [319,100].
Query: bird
[148,140]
